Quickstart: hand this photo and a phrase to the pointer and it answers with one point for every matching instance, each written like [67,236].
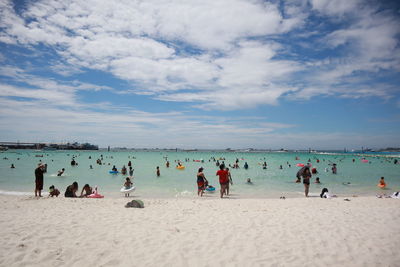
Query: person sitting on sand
[127,185]
[325,194]
[86,191]
[317,181]
[201,182]
[53,191]
[61,172]
[382,183]
[71,190]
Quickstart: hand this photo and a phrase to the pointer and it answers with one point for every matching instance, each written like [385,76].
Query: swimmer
[317,181]
[158,171]
[249,181]
[130,171]
[12,166]
[382,183]
[61,172]
[246,166]
[123,170]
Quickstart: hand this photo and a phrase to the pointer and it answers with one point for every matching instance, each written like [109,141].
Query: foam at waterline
[17,193]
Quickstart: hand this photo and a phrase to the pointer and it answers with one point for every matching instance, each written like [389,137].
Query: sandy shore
[364,231]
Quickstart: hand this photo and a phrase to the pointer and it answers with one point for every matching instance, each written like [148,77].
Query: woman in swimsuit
[306,180]
[71,190]
[201,182]
[87,189]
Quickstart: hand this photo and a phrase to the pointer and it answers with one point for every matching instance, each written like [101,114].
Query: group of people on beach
[225,179]
[224,175]
[70,191]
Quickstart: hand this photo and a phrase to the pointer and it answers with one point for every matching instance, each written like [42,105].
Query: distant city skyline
[234,74]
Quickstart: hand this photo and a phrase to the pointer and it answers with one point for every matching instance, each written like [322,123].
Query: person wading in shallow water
[223,178]
[39,180]
[306,174]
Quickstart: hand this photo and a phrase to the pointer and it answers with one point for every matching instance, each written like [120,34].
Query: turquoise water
[272,182]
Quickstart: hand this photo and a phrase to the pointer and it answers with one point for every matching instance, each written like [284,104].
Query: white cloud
[146,42]
[336,7]
[214,54]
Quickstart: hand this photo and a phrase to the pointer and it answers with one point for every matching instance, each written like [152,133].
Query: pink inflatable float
[95,194]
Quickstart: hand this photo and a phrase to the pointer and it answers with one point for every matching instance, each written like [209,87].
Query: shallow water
[272,182]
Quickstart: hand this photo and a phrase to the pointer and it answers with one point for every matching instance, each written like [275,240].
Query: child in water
[61,172]
[382,183]
[128,184]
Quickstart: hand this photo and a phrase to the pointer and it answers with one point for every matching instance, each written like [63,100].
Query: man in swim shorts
[223,178]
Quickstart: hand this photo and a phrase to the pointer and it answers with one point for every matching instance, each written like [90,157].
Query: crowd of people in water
[304,175]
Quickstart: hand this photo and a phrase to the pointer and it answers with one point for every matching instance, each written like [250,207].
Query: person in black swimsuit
[306,174]
[71,190]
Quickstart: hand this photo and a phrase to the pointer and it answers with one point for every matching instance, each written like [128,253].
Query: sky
[320,74]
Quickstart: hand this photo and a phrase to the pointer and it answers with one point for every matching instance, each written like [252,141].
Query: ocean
[353,177]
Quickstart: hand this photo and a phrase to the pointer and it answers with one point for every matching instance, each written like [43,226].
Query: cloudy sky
[201,74]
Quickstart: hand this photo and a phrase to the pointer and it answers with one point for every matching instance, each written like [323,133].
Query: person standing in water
[223,178]
[39,171]
[382,183]
[158,171]
[201,182]
[230,181]
[306,174]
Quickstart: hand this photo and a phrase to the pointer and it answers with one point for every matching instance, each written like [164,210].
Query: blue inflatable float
[113,172]
[210,188]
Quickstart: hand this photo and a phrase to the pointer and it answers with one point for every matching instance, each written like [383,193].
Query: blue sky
[201,74]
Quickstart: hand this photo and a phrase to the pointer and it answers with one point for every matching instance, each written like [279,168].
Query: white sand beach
[364,231]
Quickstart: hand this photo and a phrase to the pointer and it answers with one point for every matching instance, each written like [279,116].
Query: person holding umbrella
[306,174]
